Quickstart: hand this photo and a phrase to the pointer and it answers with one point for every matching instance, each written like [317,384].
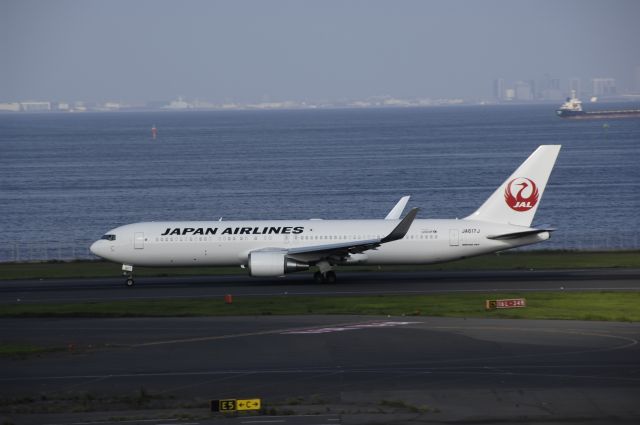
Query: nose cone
[98,248]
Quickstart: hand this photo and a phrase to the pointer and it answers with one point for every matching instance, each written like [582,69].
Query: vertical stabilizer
[516,200]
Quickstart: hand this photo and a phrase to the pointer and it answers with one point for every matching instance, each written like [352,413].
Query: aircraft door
[138,240]
[454,237]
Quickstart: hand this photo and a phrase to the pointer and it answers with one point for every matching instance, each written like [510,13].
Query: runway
[350,283]
[457,369]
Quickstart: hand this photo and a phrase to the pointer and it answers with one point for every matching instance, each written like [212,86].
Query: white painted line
[127,421]
[182,423]
[303,416]
[357,326]
[241,335]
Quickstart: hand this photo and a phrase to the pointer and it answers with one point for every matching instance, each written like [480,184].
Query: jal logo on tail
[521,194]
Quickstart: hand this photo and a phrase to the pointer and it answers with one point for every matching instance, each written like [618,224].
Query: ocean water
[65,179]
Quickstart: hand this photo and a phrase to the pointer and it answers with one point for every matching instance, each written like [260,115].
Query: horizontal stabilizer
[516,235]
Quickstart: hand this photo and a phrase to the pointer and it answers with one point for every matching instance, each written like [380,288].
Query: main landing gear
[325,273]
[127,271]
[328,277]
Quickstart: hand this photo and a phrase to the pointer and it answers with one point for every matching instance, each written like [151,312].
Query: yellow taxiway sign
[233,405]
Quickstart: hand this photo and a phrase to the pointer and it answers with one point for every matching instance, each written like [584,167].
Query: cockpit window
[109,237]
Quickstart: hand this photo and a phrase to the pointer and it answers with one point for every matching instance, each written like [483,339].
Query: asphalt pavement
[312,370]
[437,369]
[352,283]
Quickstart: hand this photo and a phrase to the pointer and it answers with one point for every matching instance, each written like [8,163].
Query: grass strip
[512,260]
[607,306]
[24,350]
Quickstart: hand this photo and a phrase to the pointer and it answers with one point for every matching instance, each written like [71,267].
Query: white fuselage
[228,243]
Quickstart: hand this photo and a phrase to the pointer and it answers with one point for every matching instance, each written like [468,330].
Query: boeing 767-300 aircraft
[277,247]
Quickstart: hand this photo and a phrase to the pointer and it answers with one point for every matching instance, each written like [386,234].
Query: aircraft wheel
[129,281]
[318,278]
[330,277]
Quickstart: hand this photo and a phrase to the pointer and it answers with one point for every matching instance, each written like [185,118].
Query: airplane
[277,247]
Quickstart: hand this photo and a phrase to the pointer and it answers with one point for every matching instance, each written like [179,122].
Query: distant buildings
[523,91]
[575,84]
[35,106]
[603,87]
[551,89]
[498,89]
[10,107]
[181,104]
[545,89]
[520,91]
[509,94]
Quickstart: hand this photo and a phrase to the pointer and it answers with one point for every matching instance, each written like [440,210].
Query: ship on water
[572,108]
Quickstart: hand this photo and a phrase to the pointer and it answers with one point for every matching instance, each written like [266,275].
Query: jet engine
[273,264]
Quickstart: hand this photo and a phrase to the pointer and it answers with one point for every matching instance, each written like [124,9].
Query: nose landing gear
[127,271]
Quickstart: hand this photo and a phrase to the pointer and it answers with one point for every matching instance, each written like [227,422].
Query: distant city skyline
[547,89]
[330,51]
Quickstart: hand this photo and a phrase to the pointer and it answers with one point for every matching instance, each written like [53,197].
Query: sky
[274,50]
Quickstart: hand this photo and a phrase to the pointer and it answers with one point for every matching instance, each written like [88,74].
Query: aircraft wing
[344,249]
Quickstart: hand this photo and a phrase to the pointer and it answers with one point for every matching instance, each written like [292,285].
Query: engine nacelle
[273,264]
[357,259]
